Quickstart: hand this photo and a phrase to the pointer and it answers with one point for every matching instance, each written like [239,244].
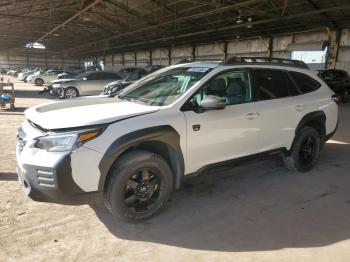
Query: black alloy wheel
[143,190]
[308,150]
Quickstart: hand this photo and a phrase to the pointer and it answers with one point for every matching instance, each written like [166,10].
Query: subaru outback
[132,150]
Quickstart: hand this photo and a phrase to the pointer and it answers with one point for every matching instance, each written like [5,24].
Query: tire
[71,92]
[39,82]
[12,107]
[301,158]
[121,188]
[345,96]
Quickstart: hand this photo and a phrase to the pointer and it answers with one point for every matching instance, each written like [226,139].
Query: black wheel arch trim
[163,140]
[313,117]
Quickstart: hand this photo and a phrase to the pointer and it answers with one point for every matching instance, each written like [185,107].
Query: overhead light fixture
[85,17]
[249,23]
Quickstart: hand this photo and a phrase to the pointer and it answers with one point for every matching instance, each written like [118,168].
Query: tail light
[336,98]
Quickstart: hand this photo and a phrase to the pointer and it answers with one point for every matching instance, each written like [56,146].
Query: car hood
[62,81]
[81,112]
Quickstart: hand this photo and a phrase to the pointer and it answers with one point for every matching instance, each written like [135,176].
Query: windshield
[166,87]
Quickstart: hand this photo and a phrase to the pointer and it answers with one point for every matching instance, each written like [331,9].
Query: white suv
[132,150]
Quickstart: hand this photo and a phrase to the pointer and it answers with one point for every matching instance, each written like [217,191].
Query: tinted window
[111,76]
[103,76]
[272,84]
[305,83]
[92,76]
[233,87]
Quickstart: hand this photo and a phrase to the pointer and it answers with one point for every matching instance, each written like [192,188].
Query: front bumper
[47,176]
[58,92]
[52,184]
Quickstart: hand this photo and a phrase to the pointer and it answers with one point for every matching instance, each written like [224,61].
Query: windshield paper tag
[198,69]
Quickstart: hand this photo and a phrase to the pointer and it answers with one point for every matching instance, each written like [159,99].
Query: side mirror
[212,103]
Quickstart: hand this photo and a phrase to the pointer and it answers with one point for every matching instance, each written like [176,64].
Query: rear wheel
[304,152]
[71,92]
[39,82]
[140,184]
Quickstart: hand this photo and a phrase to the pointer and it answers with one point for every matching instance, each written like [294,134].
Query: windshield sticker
[198,69]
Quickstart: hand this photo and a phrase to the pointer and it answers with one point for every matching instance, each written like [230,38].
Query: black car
[338,81]
[113,88]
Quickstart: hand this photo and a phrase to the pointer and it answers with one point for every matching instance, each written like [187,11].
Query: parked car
[132,150]
[44,78]
[113,88]
[89,83]
[153,68]
[129,70]
[338,81]
[70,74]
[22,76]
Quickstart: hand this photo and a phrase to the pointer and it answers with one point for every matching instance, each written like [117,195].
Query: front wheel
[71,92]
[305,150]
[139,185]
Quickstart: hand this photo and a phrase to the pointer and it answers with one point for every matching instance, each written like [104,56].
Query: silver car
[88,83]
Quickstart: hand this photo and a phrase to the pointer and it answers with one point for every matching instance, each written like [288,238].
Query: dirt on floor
[257,211]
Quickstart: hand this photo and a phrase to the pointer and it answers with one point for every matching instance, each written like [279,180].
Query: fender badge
[196,127]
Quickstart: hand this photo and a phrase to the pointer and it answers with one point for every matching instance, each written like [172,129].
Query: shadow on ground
[32,94]
[256,206]
[8,177]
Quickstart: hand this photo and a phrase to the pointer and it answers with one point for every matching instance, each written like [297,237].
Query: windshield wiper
[141,100]
[131,99]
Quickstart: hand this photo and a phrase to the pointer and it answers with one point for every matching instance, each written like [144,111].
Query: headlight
[57,85]
[65,142]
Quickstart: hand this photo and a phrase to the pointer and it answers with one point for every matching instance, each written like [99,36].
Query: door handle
[252,116]
[299,108]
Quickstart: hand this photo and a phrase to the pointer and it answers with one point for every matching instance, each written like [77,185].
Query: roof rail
[264,61]
[191,60]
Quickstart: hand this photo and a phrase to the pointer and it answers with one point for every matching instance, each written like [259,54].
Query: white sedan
[44,78]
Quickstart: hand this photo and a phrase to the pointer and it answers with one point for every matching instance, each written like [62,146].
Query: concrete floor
[258,211]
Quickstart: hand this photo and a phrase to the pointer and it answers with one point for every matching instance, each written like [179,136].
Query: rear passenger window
[273,84]
[305,83]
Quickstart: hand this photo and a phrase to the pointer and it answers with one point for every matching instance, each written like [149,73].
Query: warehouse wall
[282,46]
[35,58]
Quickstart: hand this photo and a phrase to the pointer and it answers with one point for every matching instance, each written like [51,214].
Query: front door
[218,135]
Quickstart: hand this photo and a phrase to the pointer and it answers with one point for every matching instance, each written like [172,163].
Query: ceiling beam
[254,23]
[69,19]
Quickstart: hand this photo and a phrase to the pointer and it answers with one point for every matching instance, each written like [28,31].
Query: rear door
[279,108]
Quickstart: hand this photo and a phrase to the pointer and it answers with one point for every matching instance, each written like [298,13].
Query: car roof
[218,64]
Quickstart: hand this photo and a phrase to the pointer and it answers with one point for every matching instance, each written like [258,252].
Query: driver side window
[233,87]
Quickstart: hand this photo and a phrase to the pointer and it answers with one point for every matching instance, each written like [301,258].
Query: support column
[193,53]
[150,58]
[336,48]
[225,50]
[270,47]
[169,56]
